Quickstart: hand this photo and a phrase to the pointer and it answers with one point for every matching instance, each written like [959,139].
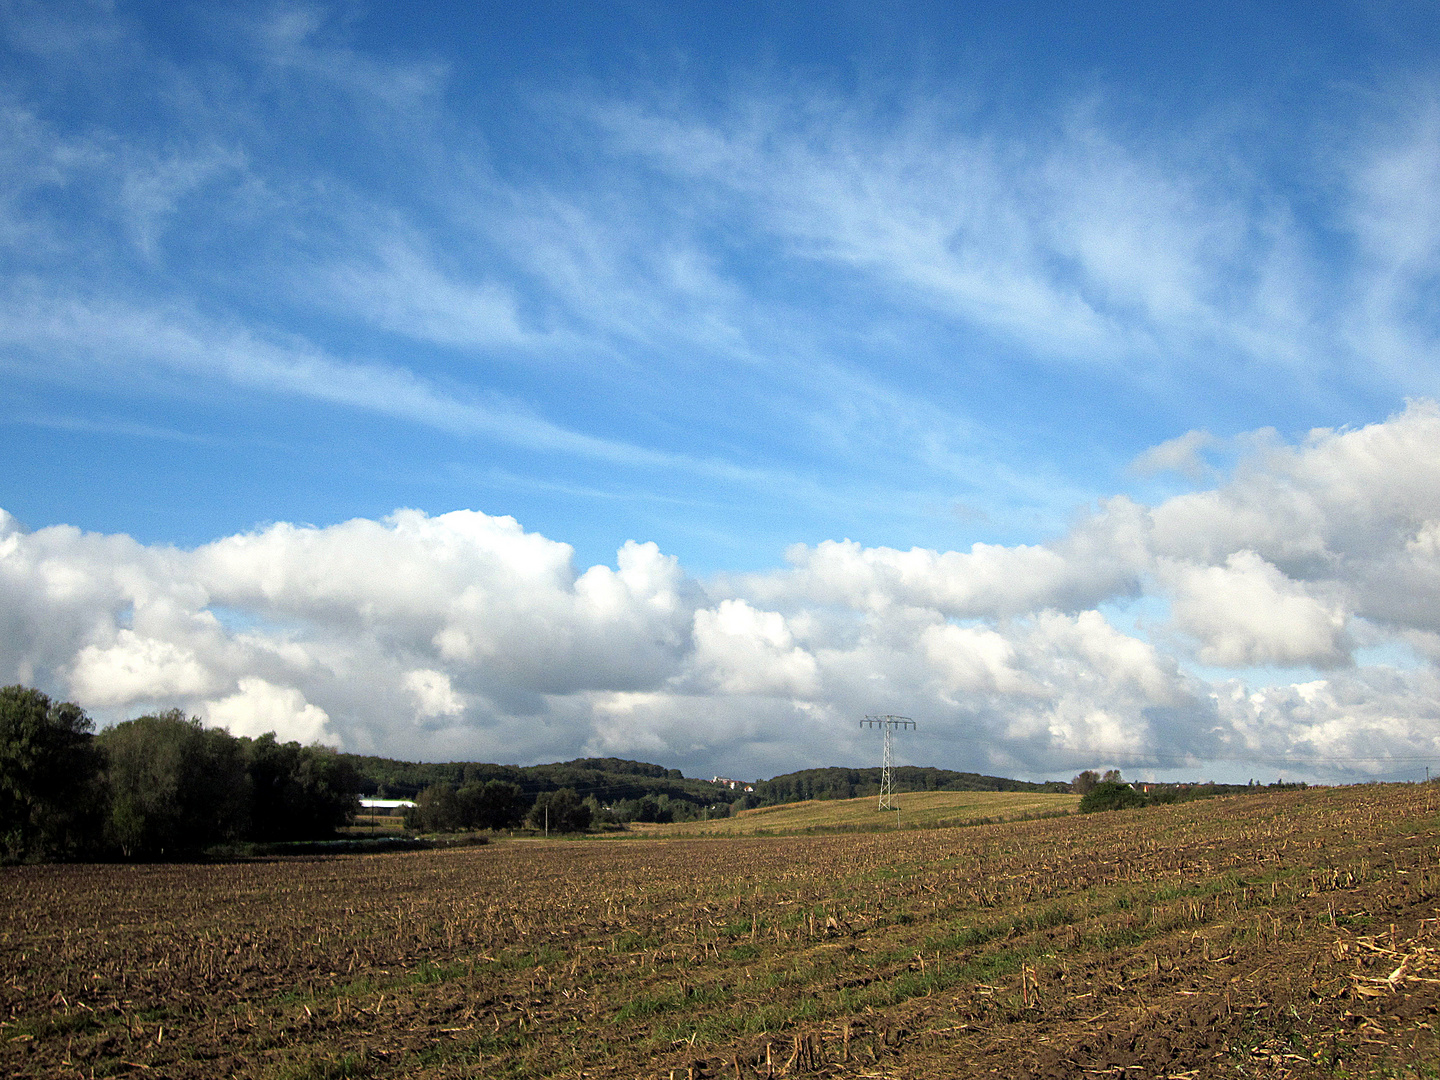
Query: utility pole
[887,724]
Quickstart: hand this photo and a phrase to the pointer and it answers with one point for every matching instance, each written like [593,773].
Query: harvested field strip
[917,810]
[1279,934]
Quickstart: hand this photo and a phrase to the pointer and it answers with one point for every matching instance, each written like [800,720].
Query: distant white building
[733,785]
[386,804]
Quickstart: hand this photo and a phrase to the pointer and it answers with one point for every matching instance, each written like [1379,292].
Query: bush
[1110,795]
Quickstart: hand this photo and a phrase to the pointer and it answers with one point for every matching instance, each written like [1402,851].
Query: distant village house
[733,785]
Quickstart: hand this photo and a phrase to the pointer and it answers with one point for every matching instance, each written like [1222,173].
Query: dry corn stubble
[1284,934]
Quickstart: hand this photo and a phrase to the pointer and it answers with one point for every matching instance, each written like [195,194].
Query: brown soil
[1271,935]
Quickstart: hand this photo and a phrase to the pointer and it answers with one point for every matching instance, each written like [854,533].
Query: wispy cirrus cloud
[1076,239]
[1073,241]
[873,326]
[177,340]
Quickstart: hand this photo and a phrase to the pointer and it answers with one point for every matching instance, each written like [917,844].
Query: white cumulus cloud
[1247,613]
[434,696]
[259,707]
[463,635]
[137,669]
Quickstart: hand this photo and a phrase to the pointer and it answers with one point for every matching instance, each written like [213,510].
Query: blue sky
[738,285]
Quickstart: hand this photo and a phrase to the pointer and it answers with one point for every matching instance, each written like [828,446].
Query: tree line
[157,786]
[164,785]
[1111,792]
[501,804]
[610,780]
[835,783]
[596,792]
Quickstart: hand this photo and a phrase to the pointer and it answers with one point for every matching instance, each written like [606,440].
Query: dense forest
[467,794]
[853,783]
[614,779]
[154,787]
[608,779]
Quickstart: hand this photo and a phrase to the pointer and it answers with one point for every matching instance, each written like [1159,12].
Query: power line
[887,724]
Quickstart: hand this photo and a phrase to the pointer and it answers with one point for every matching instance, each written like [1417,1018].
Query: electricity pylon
[887,724]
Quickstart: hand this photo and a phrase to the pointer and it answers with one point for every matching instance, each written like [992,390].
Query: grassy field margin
[914,810]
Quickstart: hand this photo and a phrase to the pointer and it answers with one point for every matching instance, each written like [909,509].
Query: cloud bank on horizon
[1034,305]
[465,635]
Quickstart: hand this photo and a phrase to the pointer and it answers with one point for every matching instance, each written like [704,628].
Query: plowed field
[1288,934]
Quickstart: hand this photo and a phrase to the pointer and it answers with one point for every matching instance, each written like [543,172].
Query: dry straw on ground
[1274,935]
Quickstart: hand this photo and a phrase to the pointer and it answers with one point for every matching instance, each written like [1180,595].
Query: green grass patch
[438,973]
[75,1022]
[541,956]
[679,998]
[629,941]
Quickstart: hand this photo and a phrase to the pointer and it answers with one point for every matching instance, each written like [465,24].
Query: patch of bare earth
[1272,935]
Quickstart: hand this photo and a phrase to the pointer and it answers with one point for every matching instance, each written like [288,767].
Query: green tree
[51,802]
[745,802]
[494,804]
[559,811]
[175,787]
[1084,782]
[298,792]
[1110,795]
[654,810]
[436,809]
